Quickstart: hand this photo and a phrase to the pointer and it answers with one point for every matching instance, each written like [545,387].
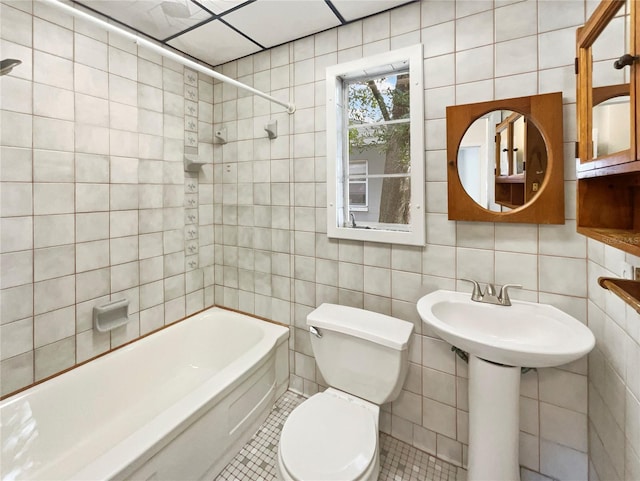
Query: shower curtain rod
[166,52]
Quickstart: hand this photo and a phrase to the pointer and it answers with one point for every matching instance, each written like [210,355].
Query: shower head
[7,65]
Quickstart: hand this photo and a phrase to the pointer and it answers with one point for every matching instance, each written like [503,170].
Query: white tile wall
[471,54]
[103,194]
[613,387]
[89,185]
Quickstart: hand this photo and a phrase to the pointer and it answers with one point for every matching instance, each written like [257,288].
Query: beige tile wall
[274,259]
[93,192]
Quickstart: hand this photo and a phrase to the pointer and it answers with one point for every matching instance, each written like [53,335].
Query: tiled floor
[399,461]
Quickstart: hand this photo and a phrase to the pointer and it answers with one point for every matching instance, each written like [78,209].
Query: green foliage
[382,100]
[377,100]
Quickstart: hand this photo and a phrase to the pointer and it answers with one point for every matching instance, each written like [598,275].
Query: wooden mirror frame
[545,111]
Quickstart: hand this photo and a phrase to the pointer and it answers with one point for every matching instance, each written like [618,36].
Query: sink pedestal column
[494,427]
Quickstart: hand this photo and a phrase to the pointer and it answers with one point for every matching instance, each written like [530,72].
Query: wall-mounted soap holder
[192,162]
[271,128]
[109,316]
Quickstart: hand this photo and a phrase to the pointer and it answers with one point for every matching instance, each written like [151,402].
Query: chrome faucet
[489,296]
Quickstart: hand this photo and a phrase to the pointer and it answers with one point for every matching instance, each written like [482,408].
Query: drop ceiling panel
[258,23]
[214,43]
[220,6]
[157,18]
[272,22]
[354,9]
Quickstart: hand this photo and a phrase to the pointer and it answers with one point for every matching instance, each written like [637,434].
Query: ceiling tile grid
[272,22]
[155,18]
[218,31]
[214,43]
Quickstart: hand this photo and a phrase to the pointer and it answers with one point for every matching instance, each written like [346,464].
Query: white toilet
[333,435]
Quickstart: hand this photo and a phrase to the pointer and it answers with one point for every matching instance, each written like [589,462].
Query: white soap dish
[192,162]
[109,316]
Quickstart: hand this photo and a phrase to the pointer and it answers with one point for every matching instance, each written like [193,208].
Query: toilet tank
[361,352]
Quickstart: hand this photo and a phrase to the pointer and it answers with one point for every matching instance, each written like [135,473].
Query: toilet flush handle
[315,331]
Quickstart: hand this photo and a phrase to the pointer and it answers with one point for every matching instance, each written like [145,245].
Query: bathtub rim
[139,446]
[130,447]
[133,341]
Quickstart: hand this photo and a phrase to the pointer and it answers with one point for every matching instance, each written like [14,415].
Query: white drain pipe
[165,52]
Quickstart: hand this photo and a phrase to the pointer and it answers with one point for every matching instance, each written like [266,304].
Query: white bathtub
[176,405]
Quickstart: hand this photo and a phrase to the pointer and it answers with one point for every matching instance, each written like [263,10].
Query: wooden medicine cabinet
[608,149]
[520,161]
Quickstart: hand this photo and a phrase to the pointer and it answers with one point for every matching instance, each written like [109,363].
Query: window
[375,148]
[358,185]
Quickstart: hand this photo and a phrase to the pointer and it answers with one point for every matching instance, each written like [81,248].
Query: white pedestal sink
[500,340]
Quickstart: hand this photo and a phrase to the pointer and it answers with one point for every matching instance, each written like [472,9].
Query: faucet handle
[476,295]
[504,293]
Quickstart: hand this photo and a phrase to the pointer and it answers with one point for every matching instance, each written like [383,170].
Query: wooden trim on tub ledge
[29,386]
[626,289]
[266,319]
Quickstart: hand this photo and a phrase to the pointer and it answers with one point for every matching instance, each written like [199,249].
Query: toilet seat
[329,438]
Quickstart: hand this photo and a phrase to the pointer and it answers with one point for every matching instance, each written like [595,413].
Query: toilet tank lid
[372,326]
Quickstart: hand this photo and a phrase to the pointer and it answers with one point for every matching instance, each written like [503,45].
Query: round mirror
[502,161]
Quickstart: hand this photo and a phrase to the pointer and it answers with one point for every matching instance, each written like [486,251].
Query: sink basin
[524,334]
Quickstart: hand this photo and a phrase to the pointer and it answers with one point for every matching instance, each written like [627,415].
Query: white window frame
[384,63]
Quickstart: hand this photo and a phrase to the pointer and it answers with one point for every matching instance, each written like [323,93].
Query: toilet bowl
[333,435]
